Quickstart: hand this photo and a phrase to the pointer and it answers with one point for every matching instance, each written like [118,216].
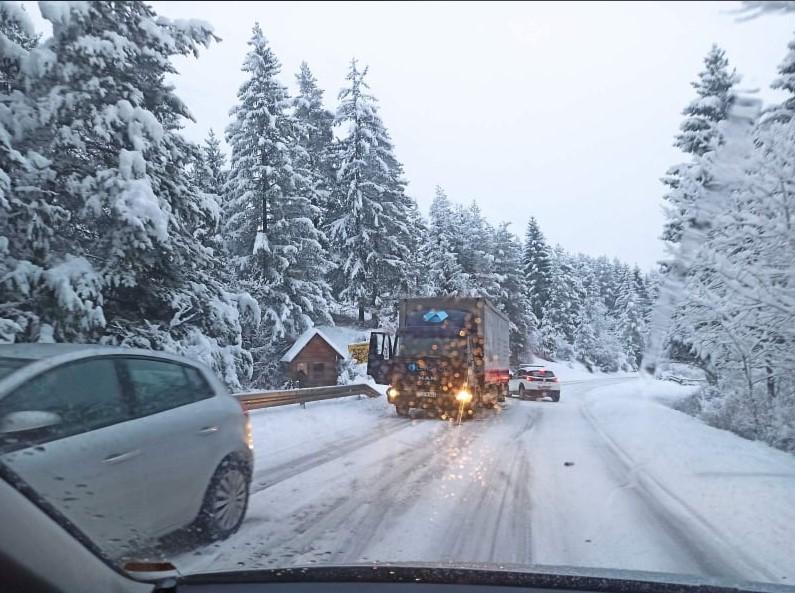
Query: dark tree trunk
[771,383]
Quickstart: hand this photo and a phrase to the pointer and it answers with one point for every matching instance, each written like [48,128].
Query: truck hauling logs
[449,356]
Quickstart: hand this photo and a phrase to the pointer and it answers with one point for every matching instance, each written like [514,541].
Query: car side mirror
[19,422]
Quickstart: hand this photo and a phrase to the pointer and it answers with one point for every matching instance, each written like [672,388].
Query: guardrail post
[303,405]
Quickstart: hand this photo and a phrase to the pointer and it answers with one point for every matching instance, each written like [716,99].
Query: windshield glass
[510,284]
[540,374]
[9,365]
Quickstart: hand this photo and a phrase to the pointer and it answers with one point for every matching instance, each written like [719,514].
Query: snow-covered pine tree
[444,244]
[273,244]
[699,134]
[606,280]
[416,281]
[786,82]
[595,341]
[443,220]
[445,274]
[562,307]
[315,136]
[536,267]
[715,93]
[631,321]
[369,219]
[215,165]
[17,37]
[126,269]
[29,222]
[618,274]
[208,176]
[512,297]
[478,245]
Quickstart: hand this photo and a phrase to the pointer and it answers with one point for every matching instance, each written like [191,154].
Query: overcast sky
[562,111]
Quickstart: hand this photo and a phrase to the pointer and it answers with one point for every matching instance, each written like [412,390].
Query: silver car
[127,444]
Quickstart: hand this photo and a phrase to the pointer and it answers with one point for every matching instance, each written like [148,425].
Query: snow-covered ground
[576,371]
[609,477]
[738,493]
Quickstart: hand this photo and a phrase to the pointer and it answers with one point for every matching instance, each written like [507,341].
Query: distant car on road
[128,444]
[534,382]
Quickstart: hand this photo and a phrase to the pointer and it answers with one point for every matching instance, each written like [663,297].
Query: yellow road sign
[359,351]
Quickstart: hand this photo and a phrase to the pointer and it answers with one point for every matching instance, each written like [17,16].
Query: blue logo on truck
[434,316]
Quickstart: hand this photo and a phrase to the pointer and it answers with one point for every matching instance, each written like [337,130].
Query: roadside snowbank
[737,492]
[289,431]
[576,371]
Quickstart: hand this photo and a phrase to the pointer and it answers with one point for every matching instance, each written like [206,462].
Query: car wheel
[402,410]
[555,397]
[226,500]
[521,391]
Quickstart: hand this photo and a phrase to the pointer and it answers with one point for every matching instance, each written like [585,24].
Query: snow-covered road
[532,483]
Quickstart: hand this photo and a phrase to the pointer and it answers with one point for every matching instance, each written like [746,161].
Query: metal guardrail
[254,400]
[684,380]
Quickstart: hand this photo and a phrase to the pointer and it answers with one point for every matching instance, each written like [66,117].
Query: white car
[534,381]
[129,445]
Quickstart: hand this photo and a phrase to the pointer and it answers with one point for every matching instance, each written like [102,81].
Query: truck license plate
[426,394]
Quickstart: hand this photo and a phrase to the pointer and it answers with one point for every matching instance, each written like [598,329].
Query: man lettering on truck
[449,356]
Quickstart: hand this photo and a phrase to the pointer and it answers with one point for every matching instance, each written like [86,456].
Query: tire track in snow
[491,527]
[399,496]
[342,529]
[270,476]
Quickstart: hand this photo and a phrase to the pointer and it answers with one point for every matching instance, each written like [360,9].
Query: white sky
[562,111]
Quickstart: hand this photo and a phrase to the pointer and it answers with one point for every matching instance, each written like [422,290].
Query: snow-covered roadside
[575,371]
[738,493]
[287,432]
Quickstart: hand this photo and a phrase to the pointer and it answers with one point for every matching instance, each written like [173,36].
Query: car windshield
[9,365]
[320,284]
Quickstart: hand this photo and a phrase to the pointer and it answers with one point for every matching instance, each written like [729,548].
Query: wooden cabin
[313,359]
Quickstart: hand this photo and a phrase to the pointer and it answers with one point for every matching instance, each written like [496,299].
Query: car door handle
[208,430]
[119,457]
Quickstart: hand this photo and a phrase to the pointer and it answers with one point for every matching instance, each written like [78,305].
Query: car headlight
[464,396]
[392,393]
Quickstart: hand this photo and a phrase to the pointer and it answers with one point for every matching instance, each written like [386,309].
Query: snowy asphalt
[531,483]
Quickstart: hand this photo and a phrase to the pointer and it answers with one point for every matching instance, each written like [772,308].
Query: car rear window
[541,374]
[9,365]
[162,385]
